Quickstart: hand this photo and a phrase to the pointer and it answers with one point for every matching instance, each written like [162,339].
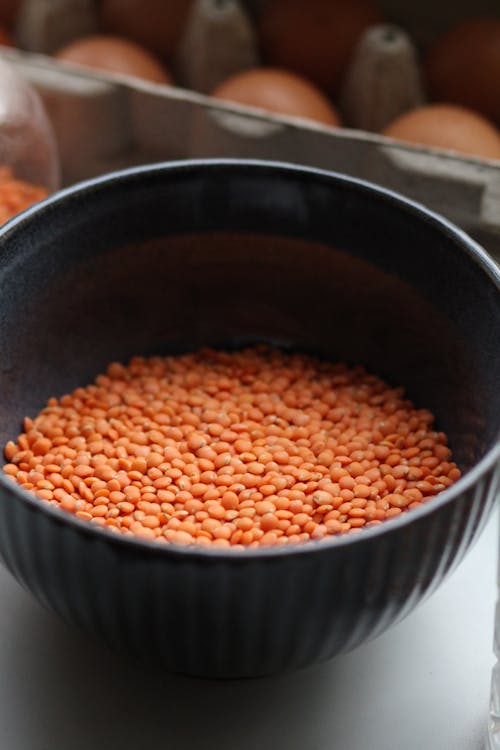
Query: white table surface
[424,685]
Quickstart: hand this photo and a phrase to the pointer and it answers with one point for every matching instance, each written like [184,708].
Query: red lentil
[16,194]
[255,447]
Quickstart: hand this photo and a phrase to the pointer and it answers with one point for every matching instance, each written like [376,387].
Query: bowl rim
[475,252]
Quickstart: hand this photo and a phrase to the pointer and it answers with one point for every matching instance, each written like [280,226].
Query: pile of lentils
[236,449]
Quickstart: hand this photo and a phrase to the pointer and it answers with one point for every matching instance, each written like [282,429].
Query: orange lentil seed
[243,449]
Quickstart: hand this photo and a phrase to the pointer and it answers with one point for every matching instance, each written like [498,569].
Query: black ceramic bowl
[170,257]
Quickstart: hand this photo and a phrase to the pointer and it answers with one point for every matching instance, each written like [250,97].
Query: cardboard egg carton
[105,122]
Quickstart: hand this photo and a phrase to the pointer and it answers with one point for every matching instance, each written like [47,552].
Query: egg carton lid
[106,121]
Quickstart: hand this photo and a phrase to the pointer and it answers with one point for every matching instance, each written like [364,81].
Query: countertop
[423,685]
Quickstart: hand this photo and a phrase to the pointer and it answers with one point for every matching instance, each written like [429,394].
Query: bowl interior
[168,259]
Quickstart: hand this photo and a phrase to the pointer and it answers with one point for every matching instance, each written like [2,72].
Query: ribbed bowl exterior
[238,616]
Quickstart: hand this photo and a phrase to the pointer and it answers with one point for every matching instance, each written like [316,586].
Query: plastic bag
[29,164]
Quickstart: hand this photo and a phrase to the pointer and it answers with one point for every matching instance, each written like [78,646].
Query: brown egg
[447,126]
[8,11]
[278,91]
[5,38]
[156,24]
[463,66]
[315,38]
[114,55]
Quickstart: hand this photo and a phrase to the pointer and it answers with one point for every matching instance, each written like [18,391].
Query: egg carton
[105,121]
